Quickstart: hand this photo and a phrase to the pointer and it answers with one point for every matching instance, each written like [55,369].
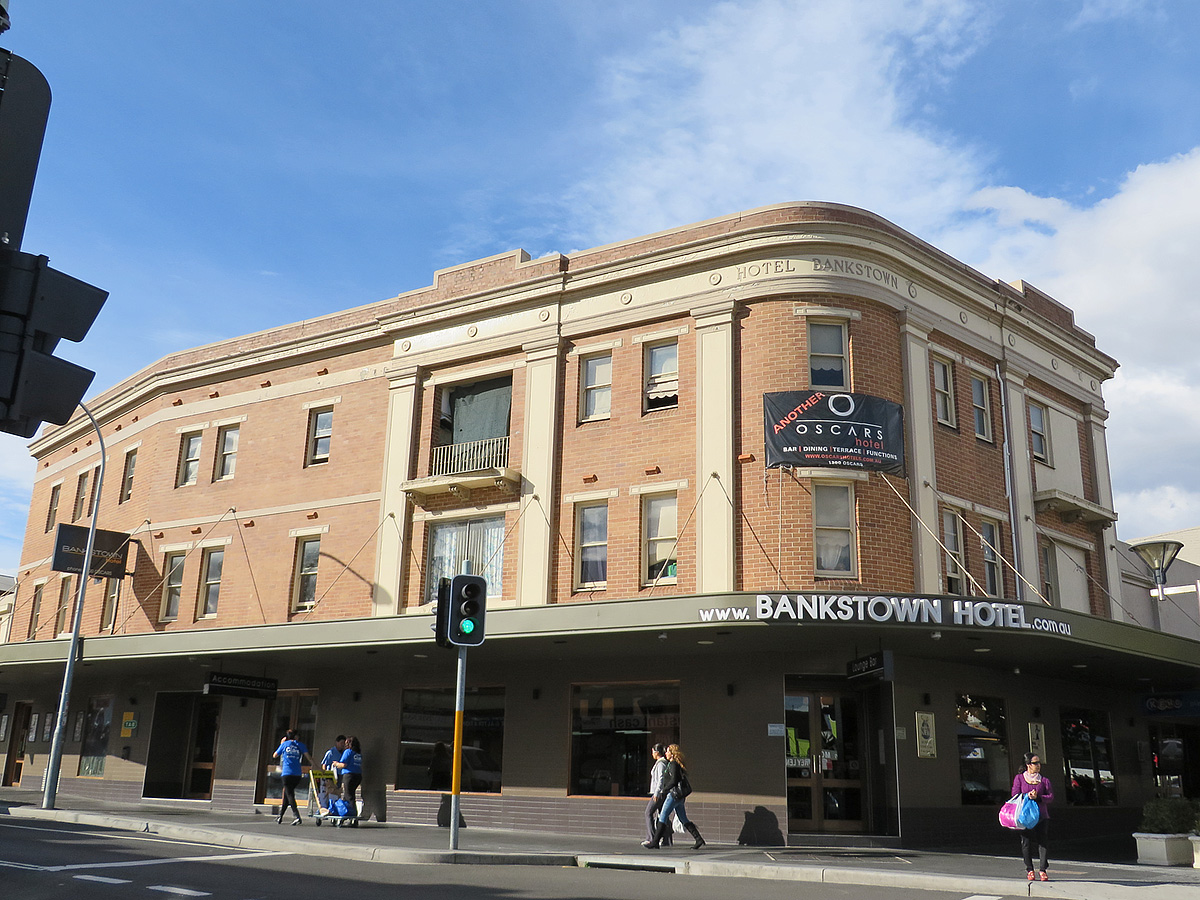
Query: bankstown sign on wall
[831,430]
[887,609]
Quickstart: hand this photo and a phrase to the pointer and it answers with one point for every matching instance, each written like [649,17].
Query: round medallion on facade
[714,279]
[626,298]
[472,331]
[962,317]
[406,346]
[544,315]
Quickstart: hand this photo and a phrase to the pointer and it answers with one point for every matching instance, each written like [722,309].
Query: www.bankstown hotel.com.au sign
[886,609]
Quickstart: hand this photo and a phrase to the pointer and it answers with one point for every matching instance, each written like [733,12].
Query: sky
[228,166]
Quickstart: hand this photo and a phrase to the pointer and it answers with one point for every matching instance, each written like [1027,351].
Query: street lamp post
[1158,555]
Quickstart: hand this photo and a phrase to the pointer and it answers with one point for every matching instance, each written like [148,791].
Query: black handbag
[683,787]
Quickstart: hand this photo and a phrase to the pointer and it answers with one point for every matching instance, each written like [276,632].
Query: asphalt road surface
[51,861]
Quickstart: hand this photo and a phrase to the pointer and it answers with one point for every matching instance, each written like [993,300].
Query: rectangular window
[1049,561]
[659,539]
[1087,758]
[981,407]
[35,610]
[943,392]
[827,355]
[595,380]
[91,506]
[591,545]
[81,491]
[662,376]
[320,435]
[52,509]
[427,739]
[1038,434]
[189,459]
[984,772]
[172,587]
[112,594]
[952,539]
[98,725]
[478,541]
[308,555]
[993,578]
[613,727]
[227,444]
[127,476]
[833,524]
[210,588]
[62,620]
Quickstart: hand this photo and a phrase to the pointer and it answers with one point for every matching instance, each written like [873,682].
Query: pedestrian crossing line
[983,897]
[101,879]
[251,854]
[177,891]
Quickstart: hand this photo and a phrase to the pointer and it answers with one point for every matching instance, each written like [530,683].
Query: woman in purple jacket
[1035,787]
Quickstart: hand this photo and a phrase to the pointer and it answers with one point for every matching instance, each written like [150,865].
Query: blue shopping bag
[1028,813]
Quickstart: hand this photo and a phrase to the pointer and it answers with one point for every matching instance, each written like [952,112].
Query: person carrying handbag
[673,791]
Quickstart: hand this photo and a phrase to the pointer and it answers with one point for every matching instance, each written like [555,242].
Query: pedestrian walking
[674,790]
[1036,787]
[291,755]
[659,752]
[350,766]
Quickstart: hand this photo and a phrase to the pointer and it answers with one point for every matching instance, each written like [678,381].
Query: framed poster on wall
[926,735]
[1037,739]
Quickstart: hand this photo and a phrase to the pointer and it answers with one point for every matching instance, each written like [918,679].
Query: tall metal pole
[460,693]
[50,789]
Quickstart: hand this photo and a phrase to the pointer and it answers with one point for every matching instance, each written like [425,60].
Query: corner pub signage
[897,609]
[827,264]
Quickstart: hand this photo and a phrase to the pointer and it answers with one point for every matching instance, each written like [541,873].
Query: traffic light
[39,306]
[466,608]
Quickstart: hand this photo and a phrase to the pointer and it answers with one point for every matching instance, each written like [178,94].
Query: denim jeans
[671,805]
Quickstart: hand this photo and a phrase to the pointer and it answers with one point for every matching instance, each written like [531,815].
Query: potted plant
[1163,838]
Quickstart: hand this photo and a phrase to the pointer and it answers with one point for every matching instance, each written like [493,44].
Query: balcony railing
[471,456]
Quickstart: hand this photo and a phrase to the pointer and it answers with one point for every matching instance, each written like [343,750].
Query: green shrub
[1169,816]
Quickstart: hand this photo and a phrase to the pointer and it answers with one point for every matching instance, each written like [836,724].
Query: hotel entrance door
[825,761]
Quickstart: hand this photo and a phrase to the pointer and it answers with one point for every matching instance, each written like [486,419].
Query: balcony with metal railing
[464,467]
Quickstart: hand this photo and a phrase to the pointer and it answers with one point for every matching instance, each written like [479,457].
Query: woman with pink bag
[1033,785]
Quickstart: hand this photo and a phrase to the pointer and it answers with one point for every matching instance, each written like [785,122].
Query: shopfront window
[613,727]
[1087,748]
[984,772]
[427,740]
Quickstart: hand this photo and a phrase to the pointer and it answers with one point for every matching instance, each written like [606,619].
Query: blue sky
[226,167]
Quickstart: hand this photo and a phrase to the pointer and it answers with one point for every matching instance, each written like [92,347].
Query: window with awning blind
[662,376]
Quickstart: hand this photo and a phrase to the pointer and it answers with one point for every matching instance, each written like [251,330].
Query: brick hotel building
[841,650]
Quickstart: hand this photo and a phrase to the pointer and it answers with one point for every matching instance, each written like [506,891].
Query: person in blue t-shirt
[350,766]
[291,755]
[334,753]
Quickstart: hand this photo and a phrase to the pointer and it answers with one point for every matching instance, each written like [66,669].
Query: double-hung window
[210,588]
[833,529]
[662,375]
[112,595]
[943,391]
[62,621]
[595,377]
[320,436]
[81,493]
[189,459]
[227,445]
[1039,434]
[827,354]
[172,586]
[591,551]
[659,539]
[308,555]
[953,542]
[35,610]
[127,476]
[52,507]
[981,407]
[479,542]
[993,580]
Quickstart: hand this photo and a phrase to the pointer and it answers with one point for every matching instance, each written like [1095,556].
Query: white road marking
[251,854]
[181,892]
[119,836]
[972,897]
[101,879]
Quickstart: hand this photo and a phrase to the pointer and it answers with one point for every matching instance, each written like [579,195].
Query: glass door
[824,761]
[296,710]
[18,731]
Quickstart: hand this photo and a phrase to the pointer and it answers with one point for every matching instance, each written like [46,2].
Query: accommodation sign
[891,609]
[833,430]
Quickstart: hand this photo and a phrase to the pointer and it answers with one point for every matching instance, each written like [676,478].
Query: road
[52,861]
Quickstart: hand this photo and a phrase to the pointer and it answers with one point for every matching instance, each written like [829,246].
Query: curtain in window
[479,540]
[481,410]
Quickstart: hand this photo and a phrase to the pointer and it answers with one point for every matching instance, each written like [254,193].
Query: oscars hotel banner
[832,430]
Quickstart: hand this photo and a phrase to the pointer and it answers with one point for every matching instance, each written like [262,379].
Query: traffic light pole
[50,788]
[460,695]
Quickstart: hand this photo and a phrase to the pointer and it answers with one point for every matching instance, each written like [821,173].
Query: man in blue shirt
[291,755]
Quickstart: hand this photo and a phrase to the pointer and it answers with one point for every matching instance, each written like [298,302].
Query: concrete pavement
[428,844]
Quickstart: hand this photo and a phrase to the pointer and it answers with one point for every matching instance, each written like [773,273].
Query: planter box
[1164,849]
[1195,839]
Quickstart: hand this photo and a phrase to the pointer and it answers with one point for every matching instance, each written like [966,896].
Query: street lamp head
[1158,555]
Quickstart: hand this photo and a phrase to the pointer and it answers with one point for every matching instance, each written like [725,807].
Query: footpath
[390,842]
